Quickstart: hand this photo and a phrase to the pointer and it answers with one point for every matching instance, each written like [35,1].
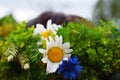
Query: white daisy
[50,29]
[55,53]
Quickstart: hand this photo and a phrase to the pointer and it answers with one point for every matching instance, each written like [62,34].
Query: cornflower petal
[70,69]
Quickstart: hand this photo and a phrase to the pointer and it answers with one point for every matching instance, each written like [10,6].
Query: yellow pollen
[55,54]
[45,34]
[48,33]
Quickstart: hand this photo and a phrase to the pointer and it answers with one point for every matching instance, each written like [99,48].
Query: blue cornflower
[70,69]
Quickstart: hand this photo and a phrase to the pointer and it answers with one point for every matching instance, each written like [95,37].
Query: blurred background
[15,11]
[106,10]
[93,10]
[28,9]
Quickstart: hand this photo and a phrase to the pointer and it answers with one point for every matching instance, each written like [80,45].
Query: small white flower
[50,29]
[10,57]
[55,53]
[26,66]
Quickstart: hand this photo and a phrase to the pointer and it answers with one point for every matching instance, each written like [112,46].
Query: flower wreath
[66,51]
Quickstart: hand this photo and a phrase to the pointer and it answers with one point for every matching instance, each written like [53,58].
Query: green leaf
[92,54]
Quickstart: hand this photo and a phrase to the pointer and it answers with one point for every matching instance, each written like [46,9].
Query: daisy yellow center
[45,34]
[55,54]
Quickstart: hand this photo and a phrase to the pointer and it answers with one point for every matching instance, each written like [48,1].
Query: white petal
[42,51]
[39,43]
[41,28]
[38,26]
[48,44]
[58,40]
[44,59]
[38,30]
[56,27]
[53,31]
[66,56]
[52,67]
[51,39]
[66,45]
[51,42]
[49,25]
[67,50]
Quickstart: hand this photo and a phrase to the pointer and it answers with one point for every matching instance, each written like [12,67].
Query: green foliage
[7,25]
[98,50]
[23,46]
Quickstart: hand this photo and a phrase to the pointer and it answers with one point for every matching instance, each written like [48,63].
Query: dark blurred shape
[116,75]
[57,18]
[106,10]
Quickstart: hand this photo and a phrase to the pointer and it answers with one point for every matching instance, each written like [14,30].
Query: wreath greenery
[84,53]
